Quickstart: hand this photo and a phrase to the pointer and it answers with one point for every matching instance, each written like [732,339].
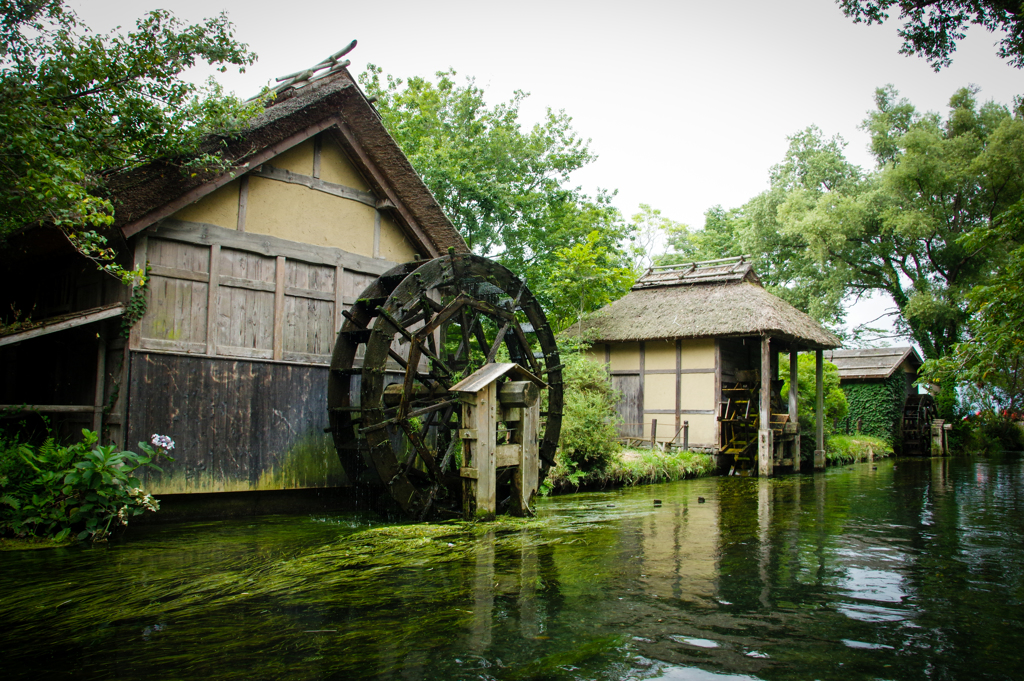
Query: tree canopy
[827,230]
[76,106]
[932,28]
[509,190]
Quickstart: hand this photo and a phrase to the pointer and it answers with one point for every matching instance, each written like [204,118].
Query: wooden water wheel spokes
[413,334]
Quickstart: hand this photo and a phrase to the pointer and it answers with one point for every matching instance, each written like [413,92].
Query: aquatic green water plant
[79,490]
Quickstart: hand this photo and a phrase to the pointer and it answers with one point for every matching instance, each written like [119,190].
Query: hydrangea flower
[164,442]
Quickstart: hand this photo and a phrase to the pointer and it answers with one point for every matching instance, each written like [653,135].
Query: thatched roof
[333,104]
[873,363]
[708,304]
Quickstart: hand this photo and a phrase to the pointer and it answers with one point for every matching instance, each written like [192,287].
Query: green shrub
[589,437]
[56,490]
[836,406]
[990,434]
[634,467]
[844,449]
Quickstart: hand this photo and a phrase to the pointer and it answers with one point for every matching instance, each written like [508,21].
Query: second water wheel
[415,332]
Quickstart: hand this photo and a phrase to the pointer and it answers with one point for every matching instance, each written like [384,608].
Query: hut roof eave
[715,311]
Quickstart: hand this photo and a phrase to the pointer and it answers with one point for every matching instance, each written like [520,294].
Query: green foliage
[836,406]
[584,277]
[634,467]
[826,231]
[878,406]
[507,189]
[844,449]
[932,28]
[991,434]
[987,368]
[55,490]
[76,106]
[589,438]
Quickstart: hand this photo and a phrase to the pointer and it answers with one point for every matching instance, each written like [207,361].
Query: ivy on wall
[878,405]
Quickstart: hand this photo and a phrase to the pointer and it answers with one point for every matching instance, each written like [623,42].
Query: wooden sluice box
[500,431]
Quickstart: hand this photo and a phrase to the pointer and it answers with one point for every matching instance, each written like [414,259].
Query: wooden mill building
[879,383]
[699,343]
[251,271]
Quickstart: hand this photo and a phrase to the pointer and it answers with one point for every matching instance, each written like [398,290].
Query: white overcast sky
[687,104]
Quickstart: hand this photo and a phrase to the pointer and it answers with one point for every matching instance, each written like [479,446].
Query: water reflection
[892,571]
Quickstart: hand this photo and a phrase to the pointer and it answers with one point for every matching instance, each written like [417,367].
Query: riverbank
[841,450]
[634,467]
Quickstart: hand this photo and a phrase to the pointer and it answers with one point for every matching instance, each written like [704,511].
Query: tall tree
[76,106]
[507,189]
[932,28]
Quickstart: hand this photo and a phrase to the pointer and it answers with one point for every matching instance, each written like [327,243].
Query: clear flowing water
[898,570]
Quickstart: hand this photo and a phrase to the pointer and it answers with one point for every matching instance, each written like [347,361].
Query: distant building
[878,383]
[691,343]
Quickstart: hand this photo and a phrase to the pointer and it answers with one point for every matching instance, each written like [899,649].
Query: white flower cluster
[147,501]
[164,442]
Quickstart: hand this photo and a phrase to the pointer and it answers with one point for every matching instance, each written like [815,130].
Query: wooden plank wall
[238,425]
[219,293]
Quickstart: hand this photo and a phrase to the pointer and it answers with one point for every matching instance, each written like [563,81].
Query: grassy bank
[634,467]
[843,449]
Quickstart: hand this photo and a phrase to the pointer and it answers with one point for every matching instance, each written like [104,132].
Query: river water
[906,569]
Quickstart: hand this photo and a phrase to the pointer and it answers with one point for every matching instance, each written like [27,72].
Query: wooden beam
[794,400]
[765,453]
[101,377]
[172,207]
[339,302]
[85,317]
[376,233]
[243,202]
[205,234]
[350,143]
[269,172]
[51,408]
[279,308]
[819,411]
[318,148]
[640,396]
[211,300]
[679,387]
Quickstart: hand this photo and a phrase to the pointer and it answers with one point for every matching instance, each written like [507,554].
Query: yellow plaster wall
[702,427]
[596,353]
[698,354]
[625,356]
[660,355]
[394,245]
[336,167]
[298,159]
[219,208]
[660,392]
[294,212]
[697,391]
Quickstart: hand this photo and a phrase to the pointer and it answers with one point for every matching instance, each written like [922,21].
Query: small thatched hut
[689,344]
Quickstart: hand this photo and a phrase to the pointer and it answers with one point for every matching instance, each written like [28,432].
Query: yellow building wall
[298,159]
[335,167]
[297,213]
[702,427]
[394,244]
[697,391]
[660,355]
[625,356]
[698,354]
[660,393]
[219,207]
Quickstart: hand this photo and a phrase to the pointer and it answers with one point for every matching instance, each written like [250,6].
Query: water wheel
[416,331]
[915,432]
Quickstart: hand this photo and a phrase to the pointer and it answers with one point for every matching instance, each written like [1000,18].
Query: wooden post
[654,432]
[686,436]
[279,308]
[679,388]
[212,290]
[819,411]
[479,418]
[794,401]
[765,450]
[860,424]
[101,376]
